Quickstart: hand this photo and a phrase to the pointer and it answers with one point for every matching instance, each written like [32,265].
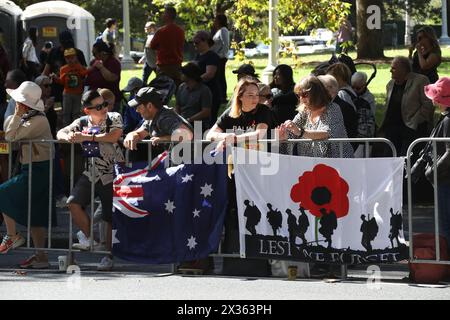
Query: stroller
[165,86]
[321,69]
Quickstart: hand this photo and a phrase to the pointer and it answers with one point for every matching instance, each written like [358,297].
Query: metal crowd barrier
[70,251]
[413,259]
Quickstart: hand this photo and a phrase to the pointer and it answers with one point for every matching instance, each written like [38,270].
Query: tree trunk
[369,29]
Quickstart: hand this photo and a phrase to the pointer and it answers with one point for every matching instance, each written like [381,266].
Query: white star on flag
[114,237]
[170,206]
[196,213]
[187,177]
[191,243]
[206,190]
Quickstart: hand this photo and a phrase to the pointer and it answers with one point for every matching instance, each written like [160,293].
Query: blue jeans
[146,72]
[444,211]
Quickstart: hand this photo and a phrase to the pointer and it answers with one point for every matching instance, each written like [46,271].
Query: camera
[418,169]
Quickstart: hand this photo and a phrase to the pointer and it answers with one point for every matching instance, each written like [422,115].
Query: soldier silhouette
[275,218]
[303,224]
[253,216]
[369,229]
[328,223]
[396,225]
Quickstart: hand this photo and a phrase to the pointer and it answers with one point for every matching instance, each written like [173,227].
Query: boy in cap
[160,122]
[99,132]
[71,76]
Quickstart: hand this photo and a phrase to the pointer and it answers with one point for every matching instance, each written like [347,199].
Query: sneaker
[33,263]
[61,202]
[84,243]
[106,264]
[9,243]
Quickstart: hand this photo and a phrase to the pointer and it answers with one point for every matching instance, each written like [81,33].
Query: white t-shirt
[221,42]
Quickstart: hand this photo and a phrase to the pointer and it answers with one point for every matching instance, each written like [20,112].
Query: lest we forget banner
[319,209]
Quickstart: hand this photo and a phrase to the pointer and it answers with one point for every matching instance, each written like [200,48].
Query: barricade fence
[199,144]
[429,154]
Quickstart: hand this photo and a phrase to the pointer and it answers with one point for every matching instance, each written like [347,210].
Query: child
[71,77]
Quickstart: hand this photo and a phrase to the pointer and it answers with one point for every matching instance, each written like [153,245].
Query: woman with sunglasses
[104,129]
[317,119]
[284,100]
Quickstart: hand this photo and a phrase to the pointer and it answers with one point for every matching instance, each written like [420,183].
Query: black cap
[246,69]
[145,95]
[192,71]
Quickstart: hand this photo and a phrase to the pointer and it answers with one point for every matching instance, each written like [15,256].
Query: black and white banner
[319,209]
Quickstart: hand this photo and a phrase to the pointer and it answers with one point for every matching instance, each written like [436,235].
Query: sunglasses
[48,85]
[302,94]
[99,106]
[267,96]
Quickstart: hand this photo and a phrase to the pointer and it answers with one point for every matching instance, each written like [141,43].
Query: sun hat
[439,92]
[29,94]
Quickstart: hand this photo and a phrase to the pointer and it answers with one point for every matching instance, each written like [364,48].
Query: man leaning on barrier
[161,123]
[98,132]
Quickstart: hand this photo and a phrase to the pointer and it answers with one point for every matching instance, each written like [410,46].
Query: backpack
[366,120]
[322,68]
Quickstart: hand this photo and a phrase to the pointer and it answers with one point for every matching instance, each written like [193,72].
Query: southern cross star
[206,190]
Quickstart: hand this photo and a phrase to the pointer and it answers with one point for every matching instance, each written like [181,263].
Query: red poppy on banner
[320,189]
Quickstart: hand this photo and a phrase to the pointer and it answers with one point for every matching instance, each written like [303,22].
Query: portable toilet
[52,17]
[12,30]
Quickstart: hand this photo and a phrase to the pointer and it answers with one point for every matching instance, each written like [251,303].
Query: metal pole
[91,237]
[273,34]
[10,163]
[127,61]
[436,204]
[50,195]
[410,225]
[71,183]
[30,192]
[407,24]
[444,35]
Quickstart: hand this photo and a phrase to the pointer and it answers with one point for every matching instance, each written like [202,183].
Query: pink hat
[439,92]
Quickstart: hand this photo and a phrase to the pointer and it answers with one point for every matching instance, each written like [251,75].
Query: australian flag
[168,214]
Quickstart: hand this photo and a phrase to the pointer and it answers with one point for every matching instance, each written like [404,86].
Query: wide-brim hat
[246,69]
[29,94]
[439,92]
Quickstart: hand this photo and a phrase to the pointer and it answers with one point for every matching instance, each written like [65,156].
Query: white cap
[29,94]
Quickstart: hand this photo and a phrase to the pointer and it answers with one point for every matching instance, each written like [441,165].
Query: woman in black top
[208,61]
[427,57]
[245,119]
[284,100]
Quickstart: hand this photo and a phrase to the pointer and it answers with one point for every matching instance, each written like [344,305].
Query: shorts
[81,194]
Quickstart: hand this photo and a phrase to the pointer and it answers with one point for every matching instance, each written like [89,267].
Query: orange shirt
[168,43]
[72,78]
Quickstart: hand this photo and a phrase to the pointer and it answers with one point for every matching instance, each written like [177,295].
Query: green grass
[304,64]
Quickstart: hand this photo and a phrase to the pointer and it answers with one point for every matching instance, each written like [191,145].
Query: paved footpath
[130,281]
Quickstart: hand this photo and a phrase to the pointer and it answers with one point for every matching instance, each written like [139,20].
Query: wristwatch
[302,132]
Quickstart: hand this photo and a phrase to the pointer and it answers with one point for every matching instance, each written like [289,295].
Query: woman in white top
[30,61]
[221,47]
